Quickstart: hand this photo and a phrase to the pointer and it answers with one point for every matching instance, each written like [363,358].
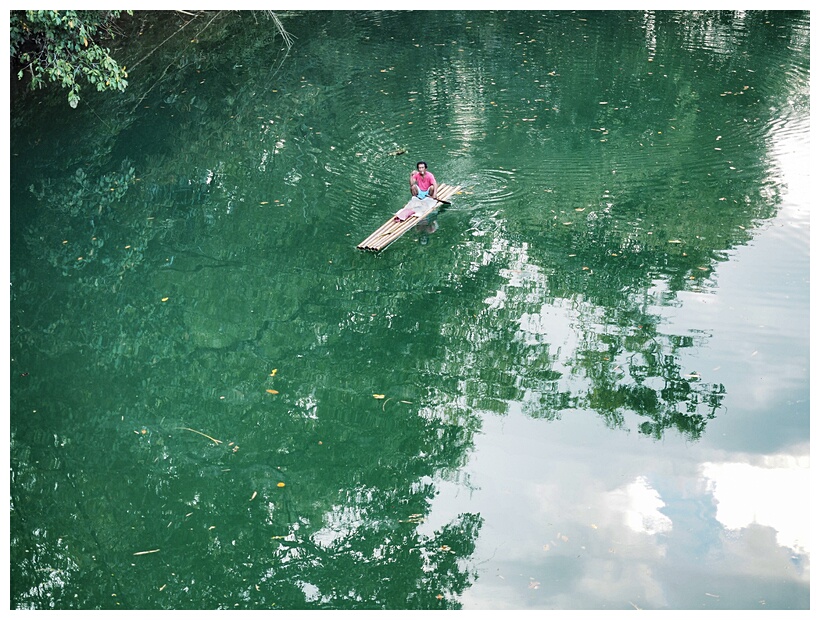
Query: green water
[588,389]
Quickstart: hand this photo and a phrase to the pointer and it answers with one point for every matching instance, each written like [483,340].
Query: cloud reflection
[780,499]
[641,505]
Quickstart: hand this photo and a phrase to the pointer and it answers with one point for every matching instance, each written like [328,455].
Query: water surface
[588,389]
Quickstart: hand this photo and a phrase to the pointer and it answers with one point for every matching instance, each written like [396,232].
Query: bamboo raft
[394,228]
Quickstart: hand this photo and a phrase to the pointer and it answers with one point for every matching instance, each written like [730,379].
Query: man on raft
[422,182]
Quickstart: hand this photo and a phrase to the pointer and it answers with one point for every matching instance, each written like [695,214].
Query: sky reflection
[779,499]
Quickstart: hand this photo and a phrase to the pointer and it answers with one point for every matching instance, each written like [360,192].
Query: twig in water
[185,428]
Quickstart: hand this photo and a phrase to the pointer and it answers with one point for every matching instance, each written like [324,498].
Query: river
[587,388]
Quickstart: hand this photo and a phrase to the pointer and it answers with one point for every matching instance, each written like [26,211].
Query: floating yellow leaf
[271,391]
[273,373]
[165,298]
[378,396]
[280,484]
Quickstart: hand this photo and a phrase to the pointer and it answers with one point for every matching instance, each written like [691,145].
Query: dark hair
[420,163]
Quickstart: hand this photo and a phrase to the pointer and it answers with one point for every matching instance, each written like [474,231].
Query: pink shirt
[424,182]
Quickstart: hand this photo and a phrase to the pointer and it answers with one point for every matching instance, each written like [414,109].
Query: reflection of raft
[415,211]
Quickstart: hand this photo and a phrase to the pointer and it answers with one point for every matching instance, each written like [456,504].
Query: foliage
[64,47]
